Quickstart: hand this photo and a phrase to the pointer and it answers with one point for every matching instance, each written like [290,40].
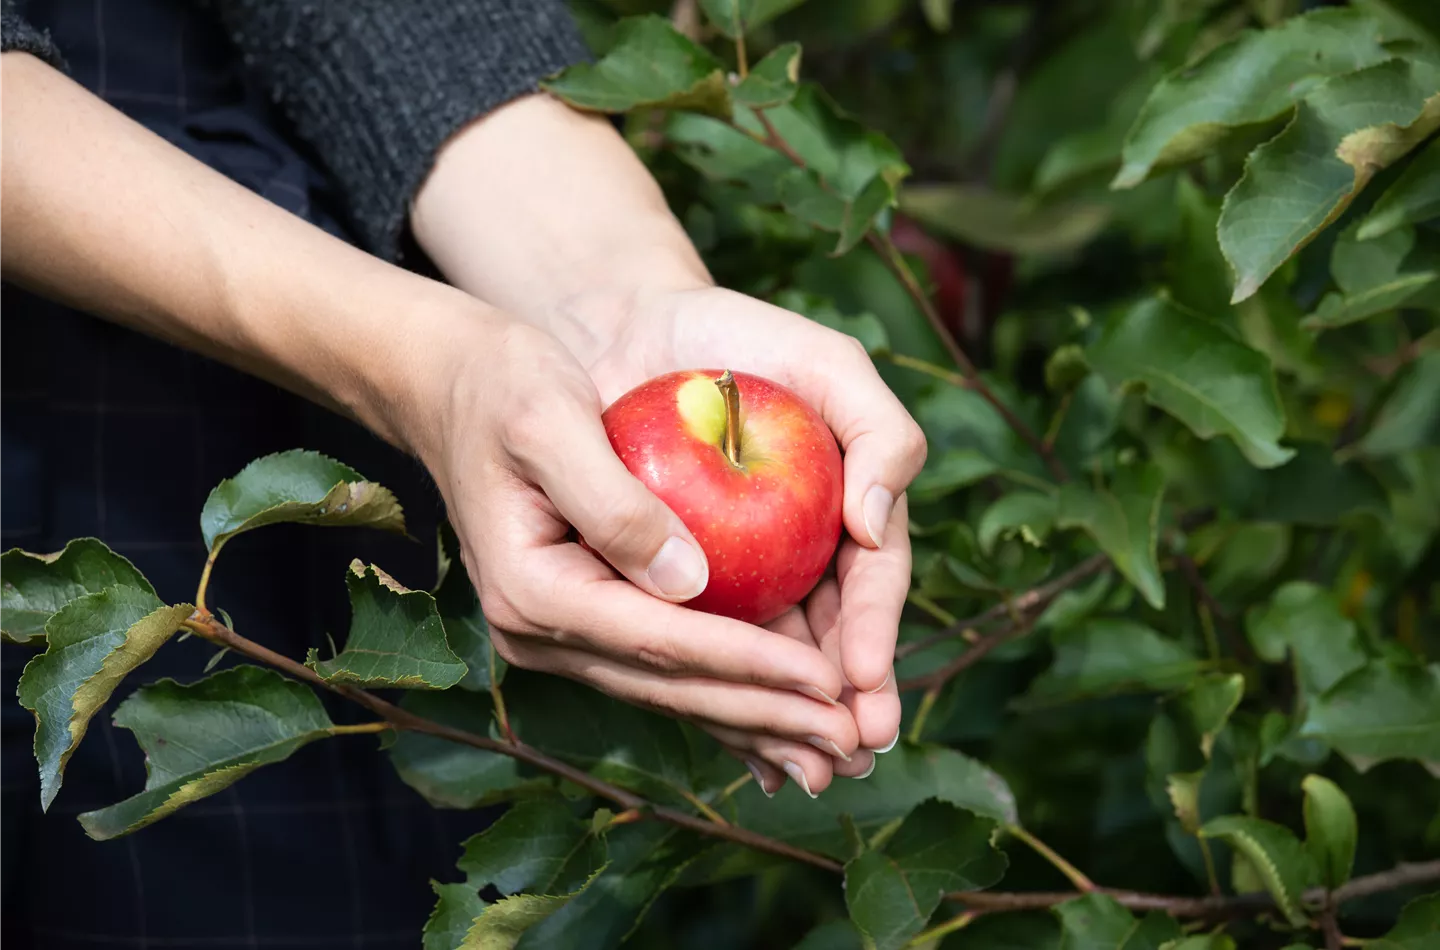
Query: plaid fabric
[108,433]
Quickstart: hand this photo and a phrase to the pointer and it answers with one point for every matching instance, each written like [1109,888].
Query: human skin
[548,213]
[102,214]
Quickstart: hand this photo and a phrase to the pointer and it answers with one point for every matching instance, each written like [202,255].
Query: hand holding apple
[751,469]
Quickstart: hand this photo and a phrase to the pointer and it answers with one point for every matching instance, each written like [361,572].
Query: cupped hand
[521,456]
[854,619]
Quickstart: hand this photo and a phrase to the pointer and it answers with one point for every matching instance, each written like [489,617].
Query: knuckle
[505,648]
[622,525]
[502,609]
[913,443]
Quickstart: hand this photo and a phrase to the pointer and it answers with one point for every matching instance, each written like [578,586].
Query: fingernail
[889,745]
[883,683]
[876,507]
[825,745]
[814,693]
[797,775]
[866,773]
[755,771]
[678,570]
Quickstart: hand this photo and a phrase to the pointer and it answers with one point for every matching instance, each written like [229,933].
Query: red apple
[751,469]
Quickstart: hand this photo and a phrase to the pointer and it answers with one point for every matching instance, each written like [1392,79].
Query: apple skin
[768,527]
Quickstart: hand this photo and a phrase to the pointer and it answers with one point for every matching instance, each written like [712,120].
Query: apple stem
[731,392]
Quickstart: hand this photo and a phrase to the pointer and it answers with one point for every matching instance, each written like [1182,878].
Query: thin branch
[211,629]
[1031,599]
[1330,927]
[634,807]
[1203,907]
[1075,875]
[894,260]
[969,376]
[1222,619]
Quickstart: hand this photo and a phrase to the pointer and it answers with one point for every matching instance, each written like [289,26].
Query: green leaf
[613,740]
[736,17]
[1206,706]
[1275,854]
[1105,656]
[949,472]
[1183,790]
[1384,710]
[504,922]
[1412,198]
[1124,521]
[456,908]
[1098,922]
[1027,514]
[92,643]
[35,586]
[1304,620]
[466,629]
[1311,489]
[1199,373]
[833,935]
[203,737]
[1416,929]
[903,778]
[538,845]
[1000,222]
[1330,829]
[1410,416]
[298,486]
[865,327]
[1254,78]
[1375,276]
[937,849]
[1343,132]
[773,81]
[448,774]
[651,65]
[845,154]
[1211,941]
[396,638]
[645,859]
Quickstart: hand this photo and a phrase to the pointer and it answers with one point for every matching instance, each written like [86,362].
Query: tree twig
[635,807]
[1023,603]
[969,376]
[216,632]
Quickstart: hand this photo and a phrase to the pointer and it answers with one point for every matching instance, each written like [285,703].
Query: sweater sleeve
[376,87]
[17,34]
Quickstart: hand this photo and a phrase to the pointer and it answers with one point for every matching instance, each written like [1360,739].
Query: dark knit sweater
[375,87]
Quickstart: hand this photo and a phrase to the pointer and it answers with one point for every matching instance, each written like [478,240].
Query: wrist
[547,214]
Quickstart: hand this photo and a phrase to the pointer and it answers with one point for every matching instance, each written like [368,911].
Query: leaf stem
[361,728]
[734,787]
[930,607]
[1210,874]
[498,697]
[700,806]
[742,63]
[1074,874]
[204,584]
[958,922]
[927,703]
[1058,420]
[928,368]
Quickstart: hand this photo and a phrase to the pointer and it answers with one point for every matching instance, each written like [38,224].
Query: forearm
[102,214]
[547,213]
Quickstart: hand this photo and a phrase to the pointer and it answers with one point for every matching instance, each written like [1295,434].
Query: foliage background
[1190,248]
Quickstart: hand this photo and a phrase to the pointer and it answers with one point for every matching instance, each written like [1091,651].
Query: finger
[613,618]
[779,713]
[877,715]
[884,447]
[873,585]
[767,777]
[861,764]
[568,455]
[807,768]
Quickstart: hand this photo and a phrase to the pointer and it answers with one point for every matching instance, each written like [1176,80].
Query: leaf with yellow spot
[1277,856]
[203,737]
[1343,132]
[396,637]
[92,643]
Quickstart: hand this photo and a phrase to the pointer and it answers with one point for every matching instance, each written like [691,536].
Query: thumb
[615,514]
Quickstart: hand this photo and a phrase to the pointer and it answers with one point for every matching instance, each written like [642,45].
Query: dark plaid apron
[109,433]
